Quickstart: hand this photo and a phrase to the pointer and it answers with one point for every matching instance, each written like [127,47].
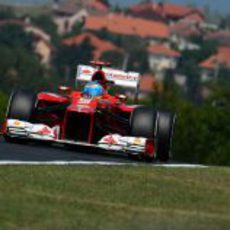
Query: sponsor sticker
[85,101]
[17,123]
[137,141]
[86,71]
[110,140]
[44,131]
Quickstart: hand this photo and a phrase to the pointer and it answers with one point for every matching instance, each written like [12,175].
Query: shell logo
[17,123]
[137,141]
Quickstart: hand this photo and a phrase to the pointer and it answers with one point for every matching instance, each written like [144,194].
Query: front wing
[112,142]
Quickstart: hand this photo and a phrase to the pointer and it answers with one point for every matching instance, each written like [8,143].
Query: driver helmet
[93,89]
[99,76]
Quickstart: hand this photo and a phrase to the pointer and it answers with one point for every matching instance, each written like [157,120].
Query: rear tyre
[164,133]
[21,106]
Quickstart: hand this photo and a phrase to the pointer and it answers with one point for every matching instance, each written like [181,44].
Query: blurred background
[181,48]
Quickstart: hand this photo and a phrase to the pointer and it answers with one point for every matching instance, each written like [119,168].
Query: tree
[225,22]
[13,36]
[202,131]
[46,23]
[20,67]
[135,48]
[68,57]
[3,103]
[7,13]
[115,57]
[189,65]
[105,2]
[76,30]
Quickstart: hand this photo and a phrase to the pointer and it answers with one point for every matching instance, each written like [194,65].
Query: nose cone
[84,105]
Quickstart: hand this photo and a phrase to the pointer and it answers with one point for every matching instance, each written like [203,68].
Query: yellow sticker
[137,141]
[17,123]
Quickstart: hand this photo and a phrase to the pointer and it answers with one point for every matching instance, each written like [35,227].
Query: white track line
[103,163]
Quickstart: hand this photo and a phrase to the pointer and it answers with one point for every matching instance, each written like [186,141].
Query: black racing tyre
[164,133]
[142,122]
[21,105]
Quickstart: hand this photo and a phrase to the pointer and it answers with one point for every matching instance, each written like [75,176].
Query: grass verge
[111,197]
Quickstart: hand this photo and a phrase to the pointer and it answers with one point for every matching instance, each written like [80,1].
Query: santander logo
[86,71]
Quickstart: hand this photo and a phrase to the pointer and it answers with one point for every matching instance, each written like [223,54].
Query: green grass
[111,197]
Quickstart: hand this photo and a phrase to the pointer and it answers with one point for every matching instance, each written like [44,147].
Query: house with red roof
[69,12]
[166,12]
[100,45]
[162,57]
[212,65]
[98,6]
[221,37]
[182,31]
[69,7]
[128,26]
[147,85]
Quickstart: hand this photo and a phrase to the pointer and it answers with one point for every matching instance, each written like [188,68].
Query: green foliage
[134,47]
[138,57]
[116,8]
[106,35]
[76,30]
[7,13]
[202,131]
[3,103]
[20,67]
[207,48]
[106,2]
[115,57]
[189,66]
[225,22]
[68,57]
[202,135]
[13,36]
[45,22]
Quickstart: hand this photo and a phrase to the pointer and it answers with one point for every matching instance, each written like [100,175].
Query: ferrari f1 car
[91,117]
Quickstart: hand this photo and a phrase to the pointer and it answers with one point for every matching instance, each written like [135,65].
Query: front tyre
[143,124]
[21,106]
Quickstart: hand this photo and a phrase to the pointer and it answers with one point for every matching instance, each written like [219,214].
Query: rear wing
[118,77]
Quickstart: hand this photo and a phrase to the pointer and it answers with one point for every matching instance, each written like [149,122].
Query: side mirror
[64,90]
[122,97]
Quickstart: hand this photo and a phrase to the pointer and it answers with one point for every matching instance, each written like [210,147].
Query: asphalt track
[40,153]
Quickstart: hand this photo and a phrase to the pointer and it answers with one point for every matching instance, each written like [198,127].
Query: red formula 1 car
[91,117]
